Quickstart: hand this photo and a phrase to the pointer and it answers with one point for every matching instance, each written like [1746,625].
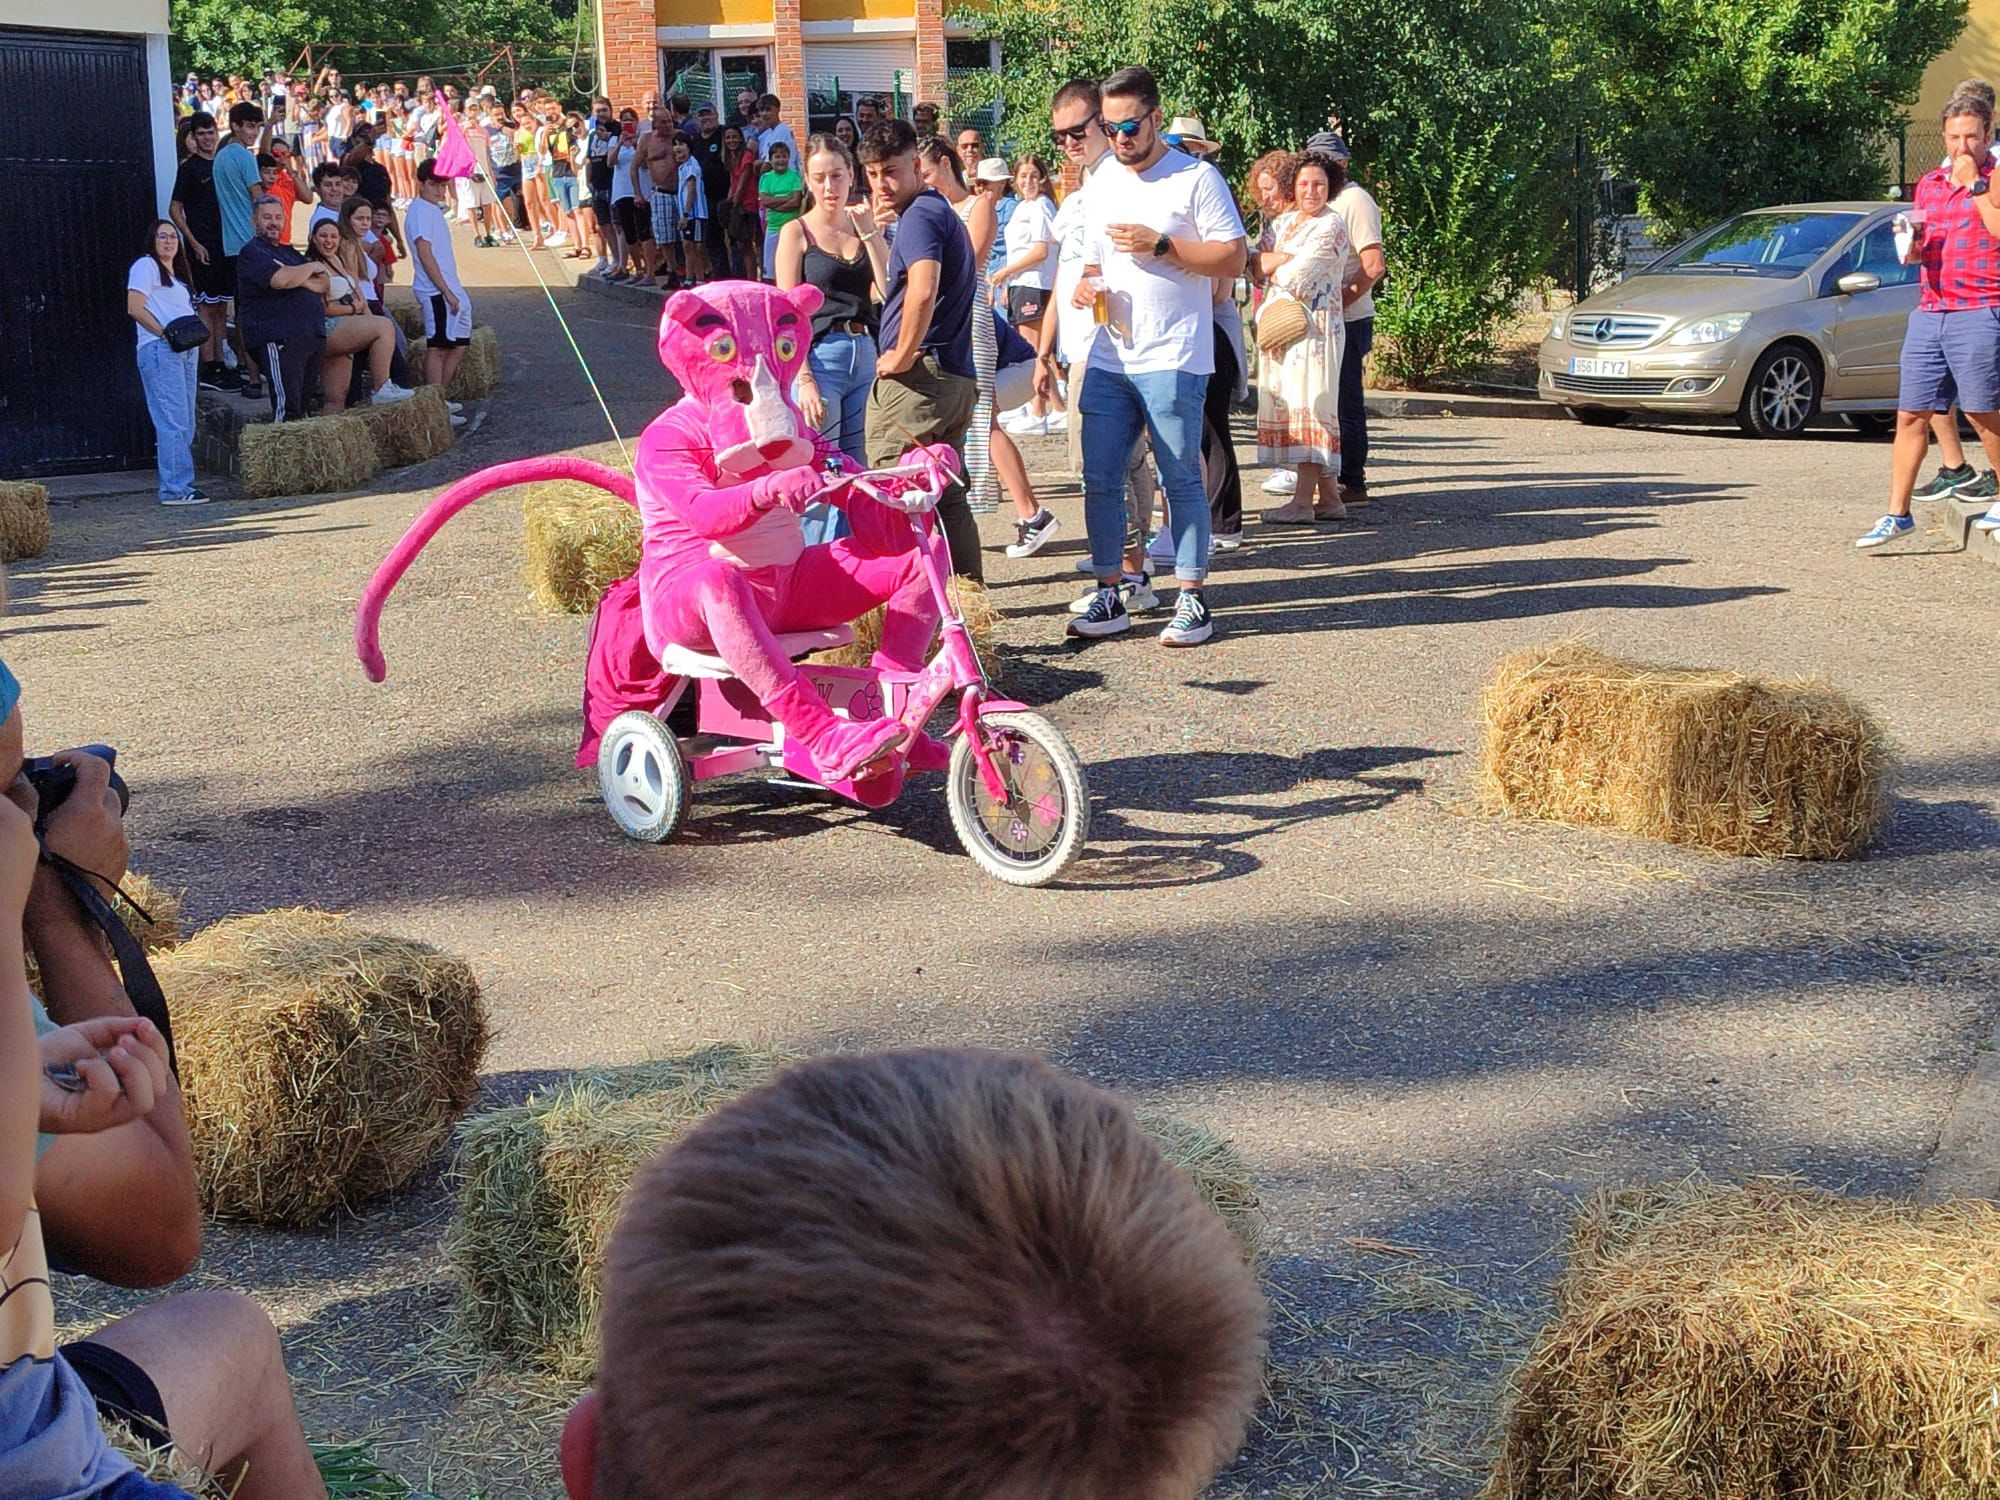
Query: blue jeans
[169,382]
[1117,409]
[843,367]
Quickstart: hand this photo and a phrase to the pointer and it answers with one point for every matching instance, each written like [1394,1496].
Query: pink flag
[454,158]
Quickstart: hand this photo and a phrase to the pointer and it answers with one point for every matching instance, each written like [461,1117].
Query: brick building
[815,55]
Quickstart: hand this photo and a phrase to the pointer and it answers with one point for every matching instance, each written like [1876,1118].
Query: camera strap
[142,986]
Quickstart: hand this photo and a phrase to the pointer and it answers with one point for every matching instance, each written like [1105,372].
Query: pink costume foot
[845,747]
[928,753]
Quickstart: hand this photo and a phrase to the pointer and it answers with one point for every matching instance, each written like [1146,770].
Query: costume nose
[769,418]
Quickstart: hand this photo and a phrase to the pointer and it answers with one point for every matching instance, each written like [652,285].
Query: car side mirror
[1858,281]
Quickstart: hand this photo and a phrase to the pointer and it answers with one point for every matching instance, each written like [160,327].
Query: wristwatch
[1162,245]
[1979,186]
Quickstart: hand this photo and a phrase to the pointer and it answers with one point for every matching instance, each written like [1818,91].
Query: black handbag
[185,333]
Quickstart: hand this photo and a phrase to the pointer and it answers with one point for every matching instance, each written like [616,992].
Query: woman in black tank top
[835,246]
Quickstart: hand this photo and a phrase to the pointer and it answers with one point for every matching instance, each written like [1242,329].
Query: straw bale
[540,1187]
[982,623]
[312,456]
[408,432]
[163,1463]
[153,913]
[1764,1342]
[1724,762]
[579,542]
[322,1064]
[24,520]
[409,317]
[479,371]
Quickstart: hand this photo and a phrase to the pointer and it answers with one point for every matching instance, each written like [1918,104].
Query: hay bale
[982,623]
[151,911]
[322,1065]
[579,542]
[313,456]
[24,520]
[1764,1341]
[409,317]
[540,1187]
[162,1462]
[408,432]
[1724,762]
[478,372]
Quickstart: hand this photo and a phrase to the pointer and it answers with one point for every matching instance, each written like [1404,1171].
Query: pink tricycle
[1014,786]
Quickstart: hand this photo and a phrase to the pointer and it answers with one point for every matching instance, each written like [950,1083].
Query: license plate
[1616,369]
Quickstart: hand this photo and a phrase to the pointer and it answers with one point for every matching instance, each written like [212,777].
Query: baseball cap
[1331,144]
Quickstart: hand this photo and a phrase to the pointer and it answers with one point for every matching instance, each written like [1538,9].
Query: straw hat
[993,169]
[1192,135]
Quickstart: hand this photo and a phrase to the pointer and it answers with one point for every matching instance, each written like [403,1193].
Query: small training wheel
[644,777]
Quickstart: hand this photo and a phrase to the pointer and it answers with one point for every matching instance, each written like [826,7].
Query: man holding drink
[1951,352]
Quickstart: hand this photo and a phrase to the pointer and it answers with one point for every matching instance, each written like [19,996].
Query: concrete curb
[1966,1163]
[618,291]
[1954,518]
[1445,404]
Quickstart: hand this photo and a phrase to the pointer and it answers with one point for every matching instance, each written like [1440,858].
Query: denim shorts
[567,193]
[1951,359]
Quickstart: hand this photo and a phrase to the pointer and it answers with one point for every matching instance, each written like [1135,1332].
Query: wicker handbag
[1281,322]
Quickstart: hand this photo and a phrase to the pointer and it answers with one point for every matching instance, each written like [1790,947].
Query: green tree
[1712,106]
[229,36]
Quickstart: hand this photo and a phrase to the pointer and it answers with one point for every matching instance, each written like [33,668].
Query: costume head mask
[735,347]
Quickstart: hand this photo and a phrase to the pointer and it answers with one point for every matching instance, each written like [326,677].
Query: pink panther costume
[720,480]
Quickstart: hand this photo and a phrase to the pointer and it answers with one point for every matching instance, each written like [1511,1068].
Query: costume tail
[367,619]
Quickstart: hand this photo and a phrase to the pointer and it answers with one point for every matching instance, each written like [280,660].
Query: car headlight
[1559,329]
[1711,330]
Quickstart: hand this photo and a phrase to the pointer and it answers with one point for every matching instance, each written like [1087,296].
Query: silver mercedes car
[1771,316]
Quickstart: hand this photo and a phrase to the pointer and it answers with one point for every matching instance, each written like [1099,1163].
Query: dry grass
[408,432]
[153,912]
[478,372]
[24,520]
[1717,760]
[312,456]
[540,1186]
[1765,1341]
[579,542]
[322,1064]
[163,1463]
[982,623]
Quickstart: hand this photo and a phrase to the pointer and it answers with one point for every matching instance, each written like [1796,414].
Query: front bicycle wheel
[1036,830]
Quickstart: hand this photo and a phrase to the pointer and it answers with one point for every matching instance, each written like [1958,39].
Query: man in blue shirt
[924,387]
[281,308]
[239,182]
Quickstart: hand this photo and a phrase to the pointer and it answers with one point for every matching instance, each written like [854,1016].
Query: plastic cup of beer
[1100,301]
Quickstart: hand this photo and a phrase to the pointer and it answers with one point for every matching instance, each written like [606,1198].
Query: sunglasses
[1074,135]
[1126,128]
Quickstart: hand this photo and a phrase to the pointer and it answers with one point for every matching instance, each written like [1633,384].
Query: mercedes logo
[1601,331]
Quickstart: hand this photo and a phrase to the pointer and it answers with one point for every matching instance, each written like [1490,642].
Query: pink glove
[794,489]
[941,454]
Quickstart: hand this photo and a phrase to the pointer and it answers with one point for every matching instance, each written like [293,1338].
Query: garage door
[875,67]
[73,207]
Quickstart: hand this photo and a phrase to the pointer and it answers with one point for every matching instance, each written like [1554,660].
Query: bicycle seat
[679,661]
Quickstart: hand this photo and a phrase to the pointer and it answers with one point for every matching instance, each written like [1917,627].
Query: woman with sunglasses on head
[157,292]
[836,247]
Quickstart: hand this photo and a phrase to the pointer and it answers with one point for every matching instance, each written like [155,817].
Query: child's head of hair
[957,1274]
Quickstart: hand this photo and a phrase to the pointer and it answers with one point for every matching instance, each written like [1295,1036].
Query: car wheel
[1871,423]
[1597,416]
[1782,395]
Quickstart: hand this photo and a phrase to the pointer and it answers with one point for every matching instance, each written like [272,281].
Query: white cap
[993,169]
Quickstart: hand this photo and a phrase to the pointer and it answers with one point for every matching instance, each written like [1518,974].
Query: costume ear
[683,308]
[806,298]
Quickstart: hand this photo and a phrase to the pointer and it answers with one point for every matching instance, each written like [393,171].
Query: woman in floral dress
[1298,390]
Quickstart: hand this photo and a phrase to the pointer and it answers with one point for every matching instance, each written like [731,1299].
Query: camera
[54,781]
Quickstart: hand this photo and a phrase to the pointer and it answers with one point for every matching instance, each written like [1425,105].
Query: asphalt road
[1421,1026]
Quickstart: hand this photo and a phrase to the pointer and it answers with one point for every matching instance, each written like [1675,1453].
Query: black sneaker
[1106,616]
[1948,482]
[210,376]
[227,379]
[1192,623]
[1985,487]
[1034,535]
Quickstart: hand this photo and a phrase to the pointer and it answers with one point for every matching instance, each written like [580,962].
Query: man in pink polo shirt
[1951,352]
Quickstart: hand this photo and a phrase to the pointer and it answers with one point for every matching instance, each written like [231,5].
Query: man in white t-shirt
[1159,224]
[772,131]
[446,308]
[1067,336]
[1366,265]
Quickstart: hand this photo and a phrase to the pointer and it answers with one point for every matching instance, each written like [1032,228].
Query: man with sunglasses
[1158,226]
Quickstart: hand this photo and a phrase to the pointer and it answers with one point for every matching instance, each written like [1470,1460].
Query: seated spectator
[280,302]
[113,1194]
[948,1274]
[351,326]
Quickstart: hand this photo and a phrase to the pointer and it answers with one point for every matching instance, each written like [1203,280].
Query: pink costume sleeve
[673,471]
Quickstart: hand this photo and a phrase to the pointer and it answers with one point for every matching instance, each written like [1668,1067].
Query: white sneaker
[1161,547]
[390,393]
[456,419]
[454,407]
[1224,541]
[558,238]
[1991,520]
[1281,482]
[1138,596]
[1056,421]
